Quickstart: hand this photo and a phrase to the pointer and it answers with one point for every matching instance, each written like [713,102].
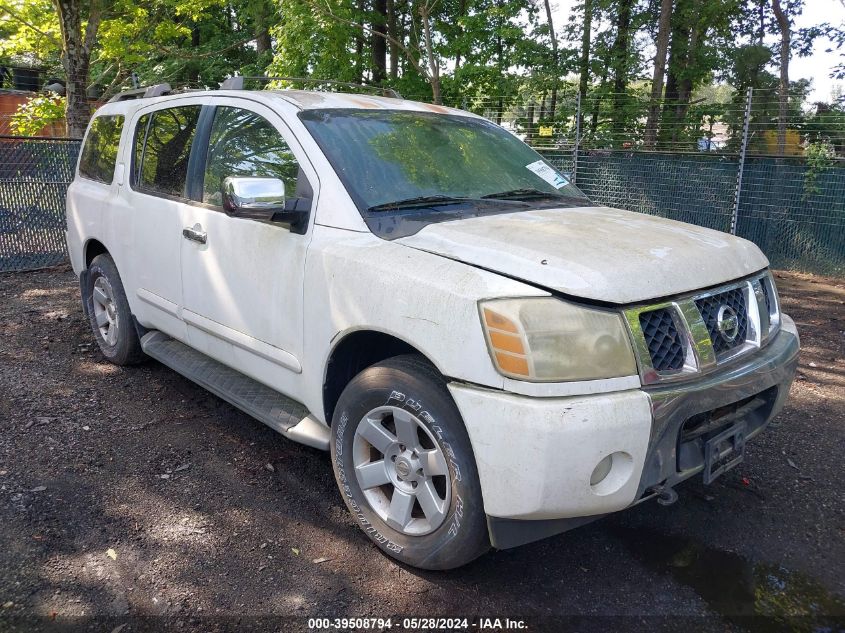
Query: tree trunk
[584,63]
[263,43]
[685,85]
[553,104]
[662,45]
[500,103]
[392,31]
[359,43]
[594,118]
[462,11]
[378,43]
[76,57]
[783,92]
[621,45]
[679,48]
[192,71]
[433,62]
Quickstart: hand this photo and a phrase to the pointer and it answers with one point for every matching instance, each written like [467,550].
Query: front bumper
[536,456]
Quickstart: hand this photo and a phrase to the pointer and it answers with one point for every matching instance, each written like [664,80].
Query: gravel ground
[133,496]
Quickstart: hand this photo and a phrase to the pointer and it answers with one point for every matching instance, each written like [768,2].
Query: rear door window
[162,149]
[100,151]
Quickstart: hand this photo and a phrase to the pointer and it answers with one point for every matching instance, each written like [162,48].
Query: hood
[596,253]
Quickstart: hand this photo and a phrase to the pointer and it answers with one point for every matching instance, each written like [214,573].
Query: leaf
[295,551]
[111,553]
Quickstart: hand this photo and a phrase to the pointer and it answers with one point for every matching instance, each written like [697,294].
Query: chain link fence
[728,166]
[34,176]
[735,165]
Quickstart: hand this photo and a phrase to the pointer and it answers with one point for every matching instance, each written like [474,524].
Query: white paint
[239,339]
[275,305]
[535,456]
[595,252]
[168,307]
[574,388]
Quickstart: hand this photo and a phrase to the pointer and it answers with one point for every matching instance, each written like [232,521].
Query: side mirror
[257,198]
[263,199]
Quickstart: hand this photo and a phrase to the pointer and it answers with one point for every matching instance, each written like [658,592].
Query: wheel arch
[92,248]
[354,352]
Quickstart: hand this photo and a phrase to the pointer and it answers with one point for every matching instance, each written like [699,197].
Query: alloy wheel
[105,310]
[402,470]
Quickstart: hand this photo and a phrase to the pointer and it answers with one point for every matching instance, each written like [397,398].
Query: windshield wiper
[428,201]
[418,201]
[517,194]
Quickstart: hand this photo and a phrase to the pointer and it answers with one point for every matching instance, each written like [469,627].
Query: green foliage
[821,156]
[36,113]
[495,57]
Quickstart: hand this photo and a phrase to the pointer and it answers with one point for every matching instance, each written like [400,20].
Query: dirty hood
[595,253]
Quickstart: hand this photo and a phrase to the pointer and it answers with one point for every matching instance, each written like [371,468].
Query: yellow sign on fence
[545,130]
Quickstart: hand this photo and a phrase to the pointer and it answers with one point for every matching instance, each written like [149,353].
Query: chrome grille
[710,308]
[767,296]
[665,345]
[694,334]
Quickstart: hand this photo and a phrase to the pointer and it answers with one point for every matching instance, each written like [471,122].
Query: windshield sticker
[547,173]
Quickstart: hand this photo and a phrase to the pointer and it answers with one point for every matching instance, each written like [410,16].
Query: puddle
[758,597]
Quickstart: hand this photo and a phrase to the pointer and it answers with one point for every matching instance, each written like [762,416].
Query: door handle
[195,234]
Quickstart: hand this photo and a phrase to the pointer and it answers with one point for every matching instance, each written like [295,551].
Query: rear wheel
[405,468]
[109,313]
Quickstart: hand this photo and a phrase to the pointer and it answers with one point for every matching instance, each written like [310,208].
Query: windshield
[420,167]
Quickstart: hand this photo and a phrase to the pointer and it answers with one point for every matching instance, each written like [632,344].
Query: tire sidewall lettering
[400,400]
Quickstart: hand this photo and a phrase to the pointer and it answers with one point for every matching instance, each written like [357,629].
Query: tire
[446,526]
[109,313]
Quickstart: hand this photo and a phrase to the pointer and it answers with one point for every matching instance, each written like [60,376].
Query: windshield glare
[388,156]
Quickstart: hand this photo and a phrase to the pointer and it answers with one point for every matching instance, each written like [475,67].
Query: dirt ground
[134,497]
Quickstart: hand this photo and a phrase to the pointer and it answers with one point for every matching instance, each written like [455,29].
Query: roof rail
[237,83]
[157,90]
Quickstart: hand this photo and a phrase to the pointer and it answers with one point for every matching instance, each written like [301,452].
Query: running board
[280,413]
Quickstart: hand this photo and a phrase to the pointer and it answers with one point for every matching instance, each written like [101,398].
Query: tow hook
[666,496]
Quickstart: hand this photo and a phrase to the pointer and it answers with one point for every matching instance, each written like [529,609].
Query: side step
[280,413]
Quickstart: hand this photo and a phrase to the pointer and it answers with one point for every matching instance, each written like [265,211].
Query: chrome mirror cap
[253,197]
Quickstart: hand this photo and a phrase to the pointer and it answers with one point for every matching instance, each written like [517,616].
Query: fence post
[577,138]
[741,167]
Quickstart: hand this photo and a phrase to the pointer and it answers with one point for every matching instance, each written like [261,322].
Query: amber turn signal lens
[512,364]
[506,344]
[498,322]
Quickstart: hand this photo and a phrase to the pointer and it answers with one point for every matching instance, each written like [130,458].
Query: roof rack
[157,90]
[237,83]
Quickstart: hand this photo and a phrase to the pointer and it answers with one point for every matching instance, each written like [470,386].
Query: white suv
[490,357]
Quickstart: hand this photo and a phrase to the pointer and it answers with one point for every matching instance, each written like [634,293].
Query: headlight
[543,339]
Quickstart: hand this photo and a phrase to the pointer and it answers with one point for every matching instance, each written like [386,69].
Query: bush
[36,113]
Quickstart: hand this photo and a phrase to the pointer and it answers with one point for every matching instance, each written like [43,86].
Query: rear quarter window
[100,151]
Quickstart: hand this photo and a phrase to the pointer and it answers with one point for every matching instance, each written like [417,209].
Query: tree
[783,91]
[620,61]
[662,46]
[584,62]
[379,40]
[555,57]
[78,21]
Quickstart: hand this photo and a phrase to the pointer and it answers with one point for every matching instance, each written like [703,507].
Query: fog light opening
[612,473]
[601,470]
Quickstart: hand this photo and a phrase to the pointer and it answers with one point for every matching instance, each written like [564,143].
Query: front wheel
[405,467]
